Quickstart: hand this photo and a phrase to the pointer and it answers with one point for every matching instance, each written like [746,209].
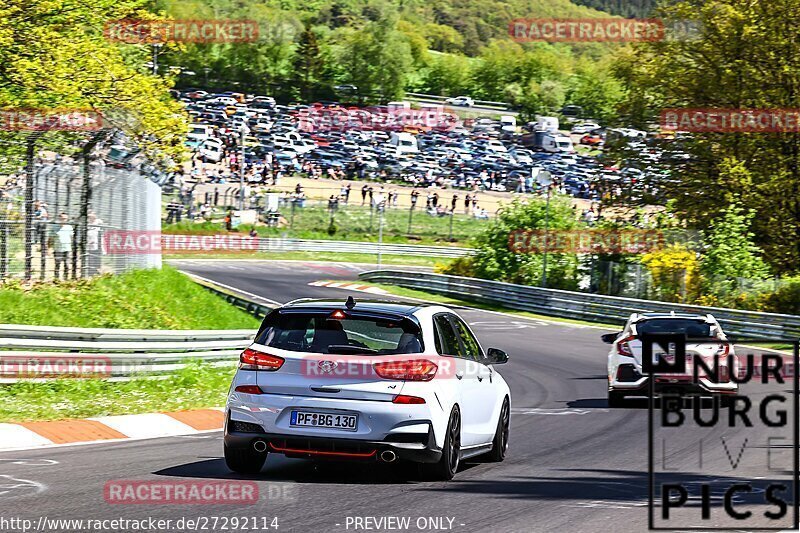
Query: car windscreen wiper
[347,349]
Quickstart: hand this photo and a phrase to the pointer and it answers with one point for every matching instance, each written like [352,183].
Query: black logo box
[677,344]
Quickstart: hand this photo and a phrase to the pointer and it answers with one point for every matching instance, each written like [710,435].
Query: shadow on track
[585,486]
[278,468]
[602,403]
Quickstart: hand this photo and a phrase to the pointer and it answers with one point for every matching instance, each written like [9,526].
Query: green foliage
[54,56]
[784,299]
[730,253]
[744,56]
[495,260]
[142,299]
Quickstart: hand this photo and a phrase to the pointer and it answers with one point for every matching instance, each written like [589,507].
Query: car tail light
[249,389]
[406,399]
[255,360]
[411,370]
[624,348]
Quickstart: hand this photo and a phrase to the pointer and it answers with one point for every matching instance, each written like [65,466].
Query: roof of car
[648,316]
[379,306]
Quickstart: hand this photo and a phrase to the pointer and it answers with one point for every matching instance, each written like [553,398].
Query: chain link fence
[55,209]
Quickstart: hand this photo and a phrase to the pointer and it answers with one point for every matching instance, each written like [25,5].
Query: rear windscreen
[689,327]
[318,333]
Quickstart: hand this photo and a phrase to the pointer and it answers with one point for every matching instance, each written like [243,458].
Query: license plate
[324,420]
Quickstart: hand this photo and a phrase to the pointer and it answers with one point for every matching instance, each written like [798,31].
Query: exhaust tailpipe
[388,456]
[260,446]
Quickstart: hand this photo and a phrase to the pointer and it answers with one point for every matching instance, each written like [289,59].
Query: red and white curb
[350,286]
[47,433]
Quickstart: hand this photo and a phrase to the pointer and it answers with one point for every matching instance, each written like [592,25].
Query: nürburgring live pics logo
[729,461]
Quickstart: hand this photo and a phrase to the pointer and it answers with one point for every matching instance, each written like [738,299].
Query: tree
[744,56]
[308,64]
[52,57]
[377,59]
[730,253]
[497,259]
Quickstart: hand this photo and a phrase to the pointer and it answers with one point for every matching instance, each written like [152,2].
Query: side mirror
[609,338]
[496,357]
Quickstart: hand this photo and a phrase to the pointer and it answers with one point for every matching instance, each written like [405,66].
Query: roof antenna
[350,303]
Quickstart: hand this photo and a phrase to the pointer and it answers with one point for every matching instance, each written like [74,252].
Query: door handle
[460,374]
[480,378]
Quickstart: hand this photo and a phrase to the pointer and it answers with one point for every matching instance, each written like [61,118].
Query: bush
[496,260]
[786,299]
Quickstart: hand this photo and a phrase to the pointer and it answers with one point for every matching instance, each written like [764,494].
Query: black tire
[447,466]
[244,461]
[500,443]
[616,400]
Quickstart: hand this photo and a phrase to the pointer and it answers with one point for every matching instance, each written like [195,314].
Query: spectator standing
[62,244]
[414,197]
[94,249]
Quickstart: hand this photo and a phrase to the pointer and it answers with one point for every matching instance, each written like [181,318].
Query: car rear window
[690,327]
[354,334]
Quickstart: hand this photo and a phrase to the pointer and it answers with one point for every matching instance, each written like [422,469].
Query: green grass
[196,386]
[448,300]
[353,224]
[142,299]
[342,257]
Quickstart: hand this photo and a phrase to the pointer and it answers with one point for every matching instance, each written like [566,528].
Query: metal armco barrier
[583,306]
[122,354]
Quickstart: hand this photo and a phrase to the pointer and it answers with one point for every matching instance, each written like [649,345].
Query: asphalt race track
[573,463]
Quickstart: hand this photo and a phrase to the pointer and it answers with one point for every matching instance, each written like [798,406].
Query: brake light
[249,389]
[624,348]
[411,370]
[255,360]
[406,399]
[338,315]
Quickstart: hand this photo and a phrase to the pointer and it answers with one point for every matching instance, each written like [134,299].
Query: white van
[508,124]
[211,150]
[403,142]
[557,143]
[546,123]
[198,133]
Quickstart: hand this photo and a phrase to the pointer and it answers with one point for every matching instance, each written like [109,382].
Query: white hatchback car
[375,380]
[704,338]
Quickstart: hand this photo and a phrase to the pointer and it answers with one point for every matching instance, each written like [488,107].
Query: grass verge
[195,386]
[142,299]
[357,223]
[344,257]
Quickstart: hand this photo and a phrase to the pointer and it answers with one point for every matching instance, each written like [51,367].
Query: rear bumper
[337,449]
[670,385]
